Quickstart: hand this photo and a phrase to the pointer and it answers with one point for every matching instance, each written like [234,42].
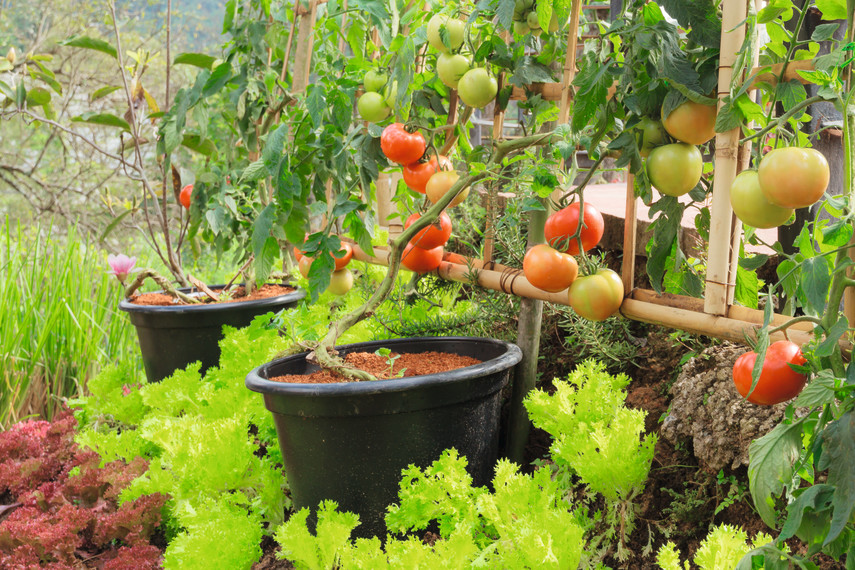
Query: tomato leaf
[815,280]
[196,143]
[773,458]
[832,335]
[818,499]
[700,17]
[832,9]
[265,259]
[838,442]
[729,117]
[818,392]
[747,287]
[505,13]
[837,234]
[200,60]
[316,103]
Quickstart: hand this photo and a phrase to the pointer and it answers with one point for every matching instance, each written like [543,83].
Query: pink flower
[121,265]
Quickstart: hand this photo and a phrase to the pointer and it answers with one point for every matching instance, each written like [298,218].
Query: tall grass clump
[58,320]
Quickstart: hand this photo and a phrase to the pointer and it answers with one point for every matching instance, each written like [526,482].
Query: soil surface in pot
[164,300]
[407,364]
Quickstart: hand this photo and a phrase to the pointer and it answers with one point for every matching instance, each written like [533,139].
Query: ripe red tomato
[562,225]
[184,196]
[298,254]
[596,297]
[549,269]
[675,169]
[417,174]
[750,204]
[341,262]
[778,382]
[434,235]
[794,177]
[691,122]
[401,146]
[421,260]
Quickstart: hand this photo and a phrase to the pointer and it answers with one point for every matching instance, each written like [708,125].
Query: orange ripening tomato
[691,122]
[432,236]
[793,177]
[596,297]
[341,262]
[778,382]
[298,255]
[401,146]
[304,265]
[417,174]
[562,225]
[421,260]
[549,269]
[184,196]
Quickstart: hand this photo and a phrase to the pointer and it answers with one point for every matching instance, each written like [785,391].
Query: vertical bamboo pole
[498,131]
[630,227]
[305,44]
[718,281]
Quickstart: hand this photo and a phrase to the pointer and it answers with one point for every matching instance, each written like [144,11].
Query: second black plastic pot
[349,442]
[171,337]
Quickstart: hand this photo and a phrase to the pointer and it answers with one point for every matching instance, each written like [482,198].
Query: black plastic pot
[171,337]
[349,442]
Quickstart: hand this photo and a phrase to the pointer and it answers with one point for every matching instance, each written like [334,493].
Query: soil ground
[264,292]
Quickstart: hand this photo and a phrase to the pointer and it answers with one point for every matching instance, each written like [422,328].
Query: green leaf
[832,9]
[38,96]
[505,13]
[753,262]
[700,17]
[837,234]
[824,32]
[316,103]
[255,171]
[6,90]
[815,280]
[826,348]
[544,14]
[773,458]
[104,119]
[200,145]
[816,498]
[51,81]
[791,93]
[219,77]
[665,229]
[747,287]
[838,444]
[86,42]
[818,392]
[266,259]
[112,225]
[729,117]
[195,59]
[103,92]
[5,65]
[272,153]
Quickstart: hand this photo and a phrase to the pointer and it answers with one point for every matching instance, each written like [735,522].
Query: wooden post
[719,280]
[303,53]
[630,227]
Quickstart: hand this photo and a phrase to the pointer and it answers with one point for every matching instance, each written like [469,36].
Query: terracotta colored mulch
[164,300]
[413,364]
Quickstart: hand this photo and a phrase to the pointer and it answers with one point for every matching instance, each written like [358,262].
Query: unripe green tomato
[521,28]
[674,169]
[453,26]
[341,282]
[476,88]
[372,108]
[450,68]
[375,81]
[532,21]
[390,95]
[536,32]
[652,135]
[750,204]
[553,24]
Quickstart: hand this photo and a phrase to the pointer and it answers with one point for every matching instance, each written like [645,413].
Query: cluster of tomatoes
[527,22]
[551,266]
[475,86]
[378,100]
[341,280]
[433,177]
[675,168]
[787,178]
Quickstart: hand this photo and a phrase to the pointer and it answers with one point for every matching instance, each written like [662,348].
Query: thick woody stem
[162,282]
[323,350]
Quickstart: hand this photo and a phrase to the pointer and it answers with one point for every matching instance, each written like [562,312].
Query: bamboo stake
[569,63]
[718,281]
[498,131]
[630,227]
[305,44]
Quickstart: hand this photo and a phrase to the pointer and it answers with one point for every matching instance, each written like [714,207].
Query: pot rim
[295,295]
[257,382]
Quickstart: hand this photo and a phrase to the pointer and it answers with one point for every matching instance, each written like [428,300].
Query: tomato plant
[440,183]
[434,235]
[690,122]
[596,297]
[184,196]
[549,269]
[778,382]
[421,260]
[417,174]
[402,146]
[793,177]
[563,225]
[674,169]
[750,204]
[477,88]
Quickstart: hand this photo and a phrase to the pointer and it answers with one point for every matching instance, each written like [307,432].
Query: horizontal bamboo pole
[671,311]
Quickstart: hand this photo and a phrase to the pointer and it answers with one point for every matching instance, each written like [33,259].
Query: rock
[707,409]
